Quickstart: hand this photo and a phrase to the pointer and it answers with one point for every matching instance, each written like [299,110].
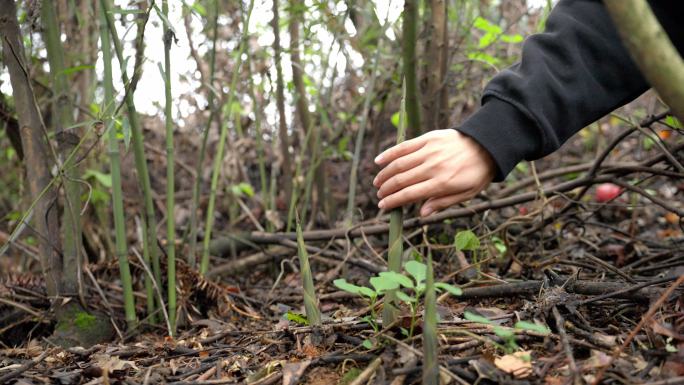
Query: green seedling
[413,282]
[505,333]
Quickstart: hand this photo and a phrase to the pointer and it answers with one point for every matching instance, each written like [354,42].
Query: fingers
[400,150]
[440,203]
[403,180]
[408,195]
[398,166]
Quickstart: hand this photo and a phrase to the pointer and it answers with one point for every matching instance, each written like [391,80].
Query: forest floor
[598,277]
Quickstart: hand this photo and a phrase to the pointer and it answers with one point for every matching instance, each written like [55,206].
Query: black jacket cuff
[505,132]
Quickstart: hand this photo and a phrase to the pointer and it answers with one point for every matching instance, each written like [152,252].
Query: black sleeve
[570,75]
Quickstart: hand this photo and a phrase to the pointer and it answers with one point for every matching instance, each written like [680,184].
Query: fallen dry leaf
[518,364]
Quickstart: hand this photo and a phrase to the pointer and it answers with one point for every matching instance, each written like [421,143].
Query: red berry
[522,210]
[607,191]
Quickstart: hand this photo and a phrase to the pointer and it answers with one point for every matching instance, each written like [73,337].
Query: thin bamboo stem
[430,340]
[396,241]
[150,247]
[196,188]
[170,176]
[204,264]
[117,195]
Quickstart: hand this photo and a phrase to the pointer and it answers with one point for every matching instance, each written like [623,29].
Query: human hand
[444,167]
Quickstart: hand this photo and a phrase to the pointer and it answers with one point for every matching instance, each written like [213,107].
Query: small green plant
[505,333]
[390,281]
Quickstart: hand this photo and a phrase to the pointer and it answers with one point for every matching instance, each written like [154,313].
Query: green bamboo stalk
[170,179]
[211,105]
[117,194]
[351,196]
[396,241]
[204,264]
[66,139]
[410,21]
[150,247]
[430,341]
[313,314]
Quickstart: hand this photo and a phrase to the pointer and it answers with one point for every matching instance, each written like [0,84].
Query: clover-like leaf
[398,278]
[342,284]
[476,318]
[417,270]
[450,288]
[525,325]
[403,297]
[466,240]
[383,285]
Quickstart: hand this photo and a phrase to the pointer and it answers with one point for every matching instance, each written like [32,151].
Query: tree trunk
[435,116]
[651,49]
[67,141]
[35,147]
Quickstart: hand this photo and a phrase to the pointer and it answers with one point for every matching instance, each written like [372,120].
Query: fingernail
[378,159]
[375,182]
[427,211]
[381,204]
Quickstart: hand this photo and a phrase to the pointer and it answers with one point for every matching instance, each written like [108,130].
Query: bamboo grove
[310,107]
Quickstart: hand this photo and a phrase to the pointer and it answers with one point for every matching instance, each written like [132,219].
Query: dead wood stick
[566,345]
[615,289]
[17,372]
[321,235]
[628,290]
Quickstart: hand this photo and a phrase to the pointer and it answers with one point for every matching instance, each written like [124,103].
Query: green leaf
[71,70]
[486,40]
[398,278]
[476,318]
[165,20]
[504,333]
[481,56]
[517,38]
[405,297]
[466,240]
[104,179]
[648,143]
[487,26]
[297,318]
[417,270]
[199,8]
[395,119]
[342,284]
[673,122]
[383,285]
[525,325]
[343,144]
[499,245]
[367,344]
[450,288]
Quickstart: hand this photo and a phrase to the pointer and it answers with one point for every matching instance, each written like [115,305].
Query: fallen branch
[610,289]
